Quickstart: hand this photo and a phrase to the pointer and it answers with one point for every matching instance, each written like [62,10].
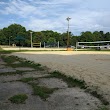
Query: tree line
[8,36]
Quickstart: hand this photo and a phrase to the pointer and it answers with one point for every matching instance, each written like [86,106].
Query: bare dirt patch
[52,83]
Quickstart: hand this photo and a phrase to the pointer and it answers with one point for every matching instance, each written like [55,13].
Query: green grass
[41,91]
[12,73]
[22,62]
[18,99]
[69,80]
[103,108]
[25,63]
[26,80]
[99,96]
[8,51]
[9,59]
[4,52]
[8,73]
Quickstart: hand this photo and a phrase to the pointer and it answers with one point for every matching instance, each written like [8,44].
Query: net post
[44,44]
[58,44]
[40,44]
[76,45]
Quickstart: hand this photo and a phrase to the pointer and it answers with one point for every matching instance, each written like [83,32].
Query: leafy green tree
[63,40]
[2,38]
[87,36]
[51,40]
[101,35]
[16,29]
[12,31]
[74,39]
[48,36]
[107,36]
[37,37]
[97,36]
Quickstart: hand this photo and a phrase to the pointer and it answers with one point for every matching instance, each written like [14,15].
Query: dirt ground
[64,98]
[90,66]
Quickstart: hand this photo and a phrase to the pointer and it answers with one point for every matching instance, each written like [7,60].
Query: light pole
[31,39]
[68,32]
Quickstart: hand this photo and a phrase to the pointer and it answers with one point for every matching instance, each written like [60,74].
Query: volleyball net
[97,45]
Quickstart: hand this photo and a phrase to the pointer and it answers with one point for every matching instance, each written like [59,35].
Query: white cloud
[87,15]
[45,24]
[21,8]
[2,3]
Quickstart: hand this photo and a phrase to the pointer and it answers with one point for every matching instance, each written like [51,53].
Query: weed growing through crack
[41,91]
[78,83]
[103,108]
[9,59]
[26,80]
[18,99]
[12,73]
[99,96]
[22,62]
[69,80]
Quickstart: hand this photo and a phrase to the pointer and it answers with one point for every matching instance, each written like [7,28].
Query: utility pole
[31,39]
[68,39]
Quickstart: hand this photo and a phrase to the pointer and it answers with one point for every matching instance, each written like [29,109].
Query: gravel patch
[2,66]
[7,69]
[32,103]
[17,62]
[34,74]
[9,89]
[52,83]
[24,69]
[72,99]
[10,78]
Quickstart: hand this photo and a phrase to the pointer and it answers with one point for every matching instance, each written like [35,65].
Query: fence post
[44,44]
[76,45]
[58,44]
[40,44]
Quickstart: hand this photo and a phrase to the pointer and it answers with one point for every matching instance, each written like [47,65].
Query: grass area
[41,91]
[69,80]
[19,99]
[26,80]
[25,63]
[12,73]
[4,52]
[8,73]
[21,62]
[9,59]
[8,51]
[99,96]
[103,108]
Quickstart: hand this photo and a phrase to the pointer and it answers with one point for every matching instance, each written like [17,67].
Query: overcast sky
[37,15]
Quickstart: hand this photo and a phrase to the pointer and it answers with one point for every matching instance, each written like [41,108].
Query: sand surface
[92,67]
